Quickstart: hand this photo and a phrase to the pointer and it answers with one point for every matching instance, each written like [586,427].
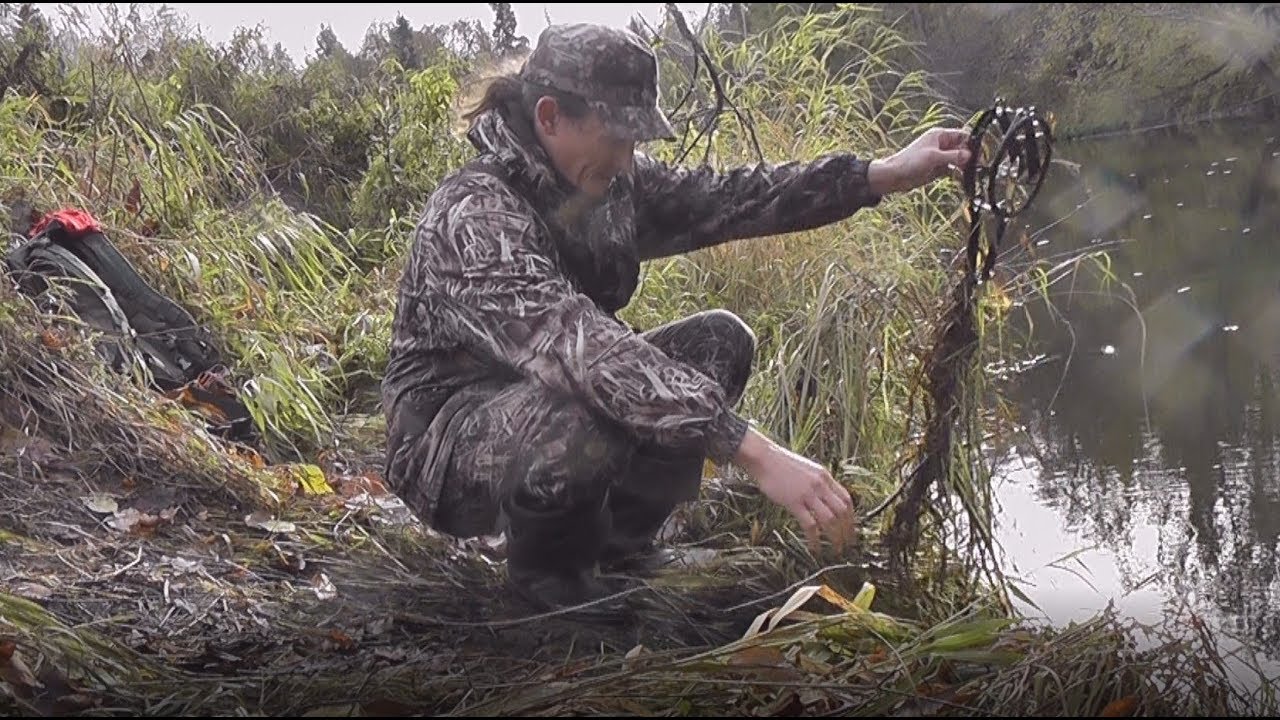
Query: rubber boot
[638,510]
[552,555]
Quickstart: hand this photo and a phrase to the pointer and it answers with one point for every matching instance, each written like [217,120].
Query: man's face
[583,149]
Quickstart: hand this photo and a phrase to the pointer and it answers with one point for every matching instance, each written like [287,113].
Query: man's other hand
[803,487]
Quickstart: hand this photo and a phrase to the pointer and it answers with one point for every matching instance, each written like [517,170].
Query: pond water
[1151,454]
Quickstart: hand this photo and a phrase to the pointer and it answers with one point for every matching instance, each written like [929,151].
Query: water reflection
[1158,407]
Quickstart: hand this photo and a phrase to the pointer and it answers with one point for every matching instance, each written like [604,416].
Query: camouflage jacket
[511,277]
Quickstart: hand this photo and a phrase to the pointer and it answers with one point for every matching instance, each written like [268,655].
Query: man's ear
[547,113]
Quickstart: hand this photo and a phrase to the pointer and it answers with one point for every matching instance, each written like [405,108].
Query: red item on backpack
[74,221]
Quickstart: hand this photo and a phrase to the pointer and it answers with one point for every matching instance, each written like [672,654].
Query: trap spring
[1010,149]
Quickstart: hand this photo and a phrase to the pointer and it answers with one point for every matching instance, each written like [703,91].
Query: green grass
[844,314]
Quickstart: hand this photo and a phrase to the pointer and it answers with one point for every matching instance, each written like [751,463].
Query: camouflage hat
[613,70]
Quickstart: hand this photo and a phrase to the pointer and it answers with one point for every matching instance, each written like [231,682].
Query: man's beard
[597,243]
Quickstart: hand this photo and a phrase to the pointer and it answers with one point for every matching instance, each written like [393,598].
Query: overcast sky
[296,26]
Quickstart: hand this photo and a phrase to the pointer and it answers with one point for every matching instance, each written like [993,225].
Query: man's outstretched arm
[680,209]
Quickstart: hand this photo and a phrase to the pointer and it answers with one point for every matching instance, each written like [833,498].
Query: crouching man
[515,399]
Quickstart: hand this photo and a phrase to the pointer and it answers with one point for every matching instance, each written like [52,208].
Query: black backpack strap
[162,325]
[39,266]
[179,349]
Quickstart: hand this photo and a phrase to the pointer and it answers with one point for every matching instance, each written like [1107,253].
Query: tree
[505,40]
[27,58]
[327,43]
[404,45]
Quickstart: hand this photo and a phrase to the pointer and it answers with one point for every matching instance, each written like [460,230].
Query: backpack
[69,264]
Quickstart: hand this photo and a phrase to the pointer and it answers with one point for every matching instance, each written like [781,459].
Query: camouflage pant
[555,454]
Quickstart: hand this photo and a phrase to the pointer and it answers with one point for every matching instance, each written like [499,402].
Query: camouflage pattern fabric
[555,452]
[514,281]
[613,70]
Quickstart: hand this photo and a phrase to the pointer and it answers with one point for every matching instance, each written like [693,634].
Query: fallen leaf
[32,591]
[290,562]
[376,628]
[631,661]
[53,339]
[396,654]
[324,587]
[133,200]
[1122,707]
[187,398]
[312,481]
[250,456]
[935,690]
[342,640]
[15,672]
[265,522]
[770,619]
[758,656]
[130,520]
[353,485]
[101,503]
[766,663]
[813,665]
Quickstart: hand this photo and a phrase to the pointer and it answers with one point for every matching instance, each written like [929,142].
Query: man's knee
[733,336]
[733,330]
